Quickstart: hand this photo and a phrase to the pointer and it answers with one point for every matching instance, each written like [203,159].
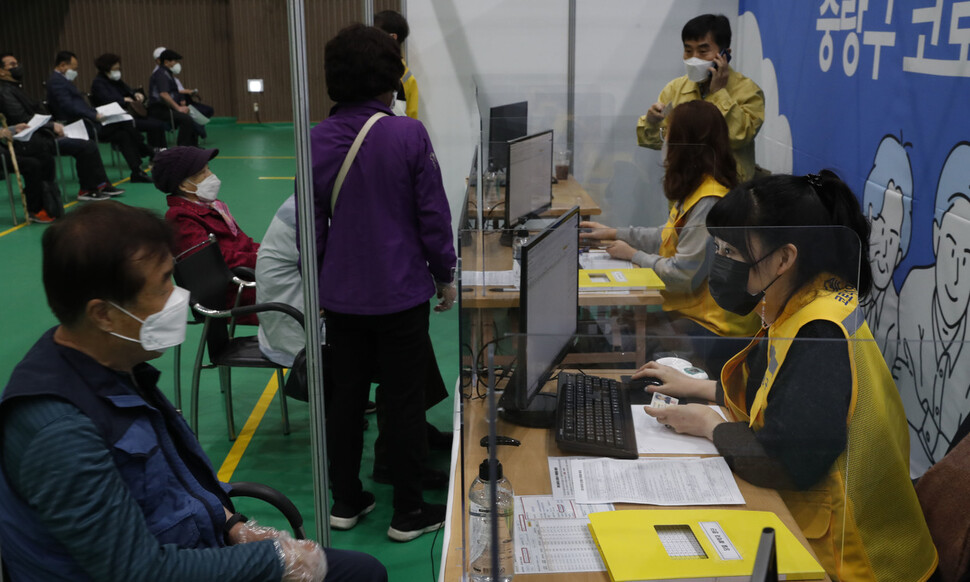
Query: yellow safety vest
[863,519]
[698,305]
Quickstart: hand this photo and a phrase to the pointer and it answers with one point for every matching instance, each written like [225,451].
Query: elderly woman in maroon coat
[195,211]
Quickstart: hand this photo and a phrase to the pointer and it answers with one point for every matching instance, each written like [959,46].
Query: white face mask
[176,68]
[208,189]
[697,69]
[114,75]
[165,329]
[70,74]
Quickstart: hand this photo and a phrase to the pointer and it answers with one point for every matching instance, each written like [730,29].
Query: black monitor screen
[505,123]
[548,299]
[528,186]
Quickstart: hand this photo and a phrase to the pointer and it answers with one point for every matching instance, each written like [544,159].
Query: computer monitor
[505,123]
[548,304]
[528,185]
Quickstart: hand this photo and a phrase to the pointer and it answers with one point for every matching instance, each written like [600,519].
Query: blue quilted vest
[159,458]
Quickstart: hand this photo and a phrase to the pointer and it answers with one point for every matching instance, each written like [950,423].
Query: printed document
[600,259]
[489,278]
[655,481]
[76,130]
[113,113]
[37,121]
[552,535]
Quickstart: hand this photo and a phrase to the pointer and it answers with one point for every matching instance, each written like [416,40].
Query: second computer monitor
[506,122]
[528,186]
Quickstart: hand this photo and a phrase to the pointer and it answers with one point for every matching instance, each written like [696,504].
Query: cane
[16,170]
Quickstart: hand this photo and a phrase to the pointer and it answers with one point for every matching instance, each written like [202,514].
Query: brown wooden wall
[223,42]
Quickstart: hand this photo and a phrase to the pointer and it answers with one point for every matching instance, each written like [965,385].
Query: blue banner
[877,90]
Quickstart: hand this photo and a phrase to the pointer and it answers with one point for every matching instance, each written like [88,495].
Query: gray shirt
[687,269]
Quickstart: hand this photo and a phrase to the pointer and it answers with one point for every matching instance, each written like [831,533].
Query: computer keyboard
[593,416]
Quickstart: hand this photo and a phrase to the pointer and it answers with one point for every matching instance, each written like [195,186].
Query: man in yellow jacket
[394,24]
[707,39]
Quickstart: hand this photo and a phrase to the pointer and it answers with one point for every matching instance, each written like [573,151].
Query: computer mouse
[640,383]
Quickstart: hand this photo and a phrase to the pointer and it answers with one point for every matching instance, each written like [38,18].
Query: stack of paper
[76,130]
[691,544]
[36,122]
[112,113]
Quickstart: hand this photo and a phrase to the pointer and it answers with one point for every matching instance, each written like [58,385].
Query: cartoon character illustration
[888,202]
[932,366]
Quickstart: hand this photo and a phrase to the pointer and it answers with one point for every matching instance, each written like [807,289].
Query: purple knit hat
[172,166]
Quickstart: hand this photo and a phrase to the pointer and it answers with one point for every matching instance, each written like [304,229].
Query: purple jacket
[391,229]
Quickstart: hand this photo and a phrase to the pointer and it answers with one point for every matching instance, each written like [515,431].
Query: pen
[506,289]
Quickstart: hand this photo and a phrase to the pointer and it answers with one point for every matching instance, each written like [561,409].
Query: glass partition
[789,409]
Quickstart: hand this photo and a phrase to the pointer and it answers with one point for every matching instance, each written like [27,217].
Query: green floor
[248,155]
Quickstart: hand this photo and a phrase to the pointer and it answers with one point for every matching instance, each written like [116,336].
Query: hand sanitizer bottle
[480,527]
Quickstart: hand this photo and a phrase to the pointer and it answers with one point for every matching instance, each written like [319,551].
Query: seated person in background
[699,171]
[36,167]
[108,87]
[818,417]
[69,105]
[195,212]
[191,95]
[707,39]
[101,478]
[19,109]
[167,103]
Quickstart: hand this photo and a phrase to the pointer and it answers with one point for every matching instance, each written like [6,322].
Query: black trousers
[128,141]
[87,159]
[31,170]
[188,135]
[395,347]
[154,130]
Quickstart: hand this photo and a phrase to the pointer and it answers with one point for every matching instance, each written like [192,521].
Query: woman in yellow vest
[699,170]
[814,410]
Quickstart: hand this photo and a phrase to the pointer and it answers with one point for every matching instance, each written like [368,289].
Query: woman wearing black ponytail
[814,410]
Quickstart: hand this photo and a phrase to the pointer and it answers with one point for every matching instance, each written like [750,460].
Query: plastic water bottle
[519,239]
[480,527]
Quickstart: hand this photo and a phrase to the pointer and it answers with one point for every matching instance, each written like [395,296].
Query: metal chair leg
[196,375]
[282,396]
[177,377]
[6,178]
[226,383]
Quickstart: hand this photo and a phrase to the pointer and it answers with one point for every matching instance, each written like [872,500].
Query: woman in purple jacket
[384,250]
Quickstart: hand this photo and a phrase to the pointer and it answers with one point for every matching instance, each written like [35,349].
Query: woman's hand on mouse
[695,419]
[676,383]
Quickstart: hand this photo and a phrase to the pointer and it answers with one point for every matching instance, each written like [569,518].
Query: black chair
[274,498]
[205,274]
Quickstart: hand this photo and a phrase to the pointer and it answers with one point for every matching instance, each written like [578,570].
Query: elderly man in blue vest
[101,478]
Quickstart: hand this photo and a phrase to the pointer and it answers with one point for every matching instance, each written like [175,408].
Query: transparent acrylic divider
[828,421]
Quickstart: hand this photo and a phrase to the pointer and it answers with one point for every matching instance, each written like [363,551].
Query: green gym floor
[256,165]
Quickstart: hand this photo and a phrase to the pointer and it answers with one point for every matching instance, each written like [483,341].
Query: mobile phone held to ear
[726,53]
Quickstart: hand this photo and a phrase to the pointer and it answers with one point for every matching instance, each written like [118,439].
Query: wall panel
[223,42]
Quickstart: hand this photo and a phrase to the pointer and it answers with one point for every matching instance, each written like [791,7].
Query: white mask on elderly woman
[208,189]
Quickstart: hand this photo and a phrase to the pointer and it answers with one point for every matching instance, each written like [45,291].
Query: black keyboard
[593,416]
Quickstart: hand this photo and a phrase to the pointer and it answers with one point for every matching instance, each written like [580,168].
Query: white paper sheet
[600,259]
[551,535]
[655,438]
[113,113]
[76,130]
[36,122]
[660,481]
[560,474]
[490,278]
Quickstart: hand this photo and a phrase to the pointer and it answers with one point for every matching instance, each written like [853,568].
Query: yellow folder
[612,280]
[694,544]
